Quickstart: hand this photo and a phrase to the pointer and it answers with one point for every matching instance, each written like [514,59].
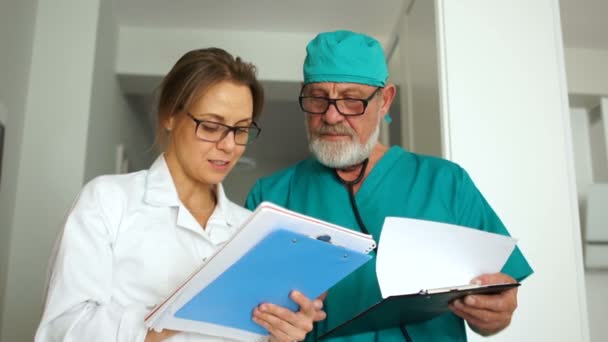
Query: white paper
[415,255]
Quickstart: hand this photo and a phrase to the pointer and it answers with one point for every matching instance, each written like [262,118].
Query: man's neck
[351,173]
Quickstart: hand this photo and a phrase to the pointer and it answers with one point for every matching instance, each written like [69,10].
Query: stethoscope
[350,186]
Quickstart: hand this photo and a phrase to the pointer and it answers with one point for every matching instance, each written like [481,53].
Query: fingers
[306,305]
[475,315]
[280,337]
[483,321]
[312,309]
[488,313]
[281,329]
[319,316]
[501,302]
[505,301]
[286,325]
[153,336]
[493,278]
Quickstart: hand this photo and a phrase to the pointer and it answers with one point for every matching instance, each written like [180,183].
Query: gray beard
[341,154]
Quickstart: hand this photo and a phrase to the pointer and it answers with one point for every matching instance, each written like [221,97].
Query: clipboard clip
[324,238]
[327,238]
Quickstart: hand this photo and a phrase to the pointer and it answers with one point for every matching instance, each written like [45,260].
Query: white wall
[597,279]
[413,66]
[419,53]
[505,107]
[51,157]
[112,120]
[587,71]
[597,297]
[282,142]
[16,39]
[597,139]
[579,119]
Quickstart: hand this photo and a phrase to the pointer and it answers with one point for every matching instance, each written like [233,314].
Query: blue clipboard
[281,262]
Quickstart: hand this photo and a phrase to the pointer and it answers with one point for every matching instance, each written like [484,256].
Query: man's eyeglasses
[345,106]
[212,131]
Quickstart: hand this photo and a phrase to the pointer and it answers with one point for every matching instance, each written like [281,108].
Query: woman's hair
[196,72]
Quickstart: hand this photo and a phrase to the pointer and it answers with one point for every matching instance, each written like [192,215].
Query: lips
[219,162]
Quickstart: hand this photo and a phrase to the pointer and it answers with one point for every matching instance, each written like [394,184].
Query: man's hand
[488,314]
[285,325]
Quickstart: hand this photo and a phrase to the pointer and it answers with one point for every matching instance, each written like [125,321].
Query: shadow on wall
[283,142]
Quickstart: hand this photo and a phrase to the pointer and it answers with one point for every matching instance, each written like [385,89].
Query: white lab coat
[127,243]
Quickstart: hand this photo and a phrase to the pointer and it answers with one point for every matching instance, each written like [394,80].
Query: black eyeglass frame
[229,129]
[331,101]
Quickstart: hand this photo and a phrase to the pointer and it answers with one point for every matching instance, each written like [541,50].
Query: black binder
[396,311]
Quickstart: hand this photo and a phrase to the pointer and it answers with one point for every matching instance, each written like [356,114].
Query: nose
[227,143]
[332,116]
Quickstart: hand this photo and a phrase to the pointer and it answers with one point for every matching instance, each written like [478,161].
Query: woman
[131,239]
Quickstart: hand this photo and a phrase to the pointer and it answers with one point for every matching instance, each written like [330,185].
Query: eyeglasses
[345,106]
[212,131]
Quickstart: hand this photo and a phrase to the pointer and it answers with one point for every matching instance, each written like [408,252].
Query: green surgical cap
[345,56]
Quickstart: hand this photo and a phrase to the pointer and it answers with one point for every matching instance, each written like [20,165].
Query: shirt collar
[160,189]
[221,211]
[221,224]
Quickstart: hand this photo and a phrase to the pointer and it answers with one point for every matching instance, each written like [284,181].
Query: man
[355,181]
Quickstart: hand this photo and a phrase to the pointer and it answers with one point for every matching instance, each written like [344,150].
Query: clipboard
[397,311]
[274,252]
[409,248]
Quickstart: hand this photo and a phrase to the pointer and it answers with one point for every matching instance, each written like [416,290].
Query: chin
[215,180]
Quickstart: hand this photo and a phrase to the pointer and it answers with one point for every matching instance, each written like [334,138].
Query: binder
[397,311]
[274,252]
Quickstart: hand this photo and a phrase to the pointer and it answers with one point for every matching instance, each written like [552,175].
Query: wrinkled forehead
[337,88]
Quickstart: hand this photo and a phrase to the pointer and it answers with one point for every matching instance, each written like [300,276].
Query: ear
[388,95]
[169,123]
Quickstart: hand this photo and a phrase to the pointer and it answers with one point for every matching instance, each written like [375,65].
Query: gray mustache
[326,129]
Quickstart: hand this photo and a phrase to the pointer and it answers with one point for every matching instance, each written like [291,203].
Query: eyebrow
[221,119]
[352,91]
[342,92]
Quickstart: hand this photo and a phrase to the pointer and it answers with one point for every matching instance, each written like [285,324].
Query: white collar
[161,191]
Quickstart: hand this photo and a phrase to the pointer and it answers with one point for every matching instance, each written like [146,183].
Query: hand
[153,336]
[318,305]
[285,325]
[488,314]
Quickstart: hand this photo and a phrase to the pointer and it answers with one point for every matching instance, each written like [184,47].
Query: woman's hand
[153,336]
[285,325]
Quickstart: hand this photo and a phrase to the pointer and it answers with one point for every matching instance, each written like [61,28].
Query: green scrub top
[401,184]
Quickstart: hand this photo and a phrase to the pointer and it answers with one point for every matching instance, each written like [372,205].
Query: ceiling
[373,17]
[584,23]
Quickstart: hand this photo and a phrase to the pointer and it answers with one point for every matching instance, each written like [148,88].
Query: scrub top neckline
[375,176]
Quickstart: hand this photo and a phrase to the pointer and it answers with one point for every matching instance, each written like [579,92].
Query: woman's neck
[198,197]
